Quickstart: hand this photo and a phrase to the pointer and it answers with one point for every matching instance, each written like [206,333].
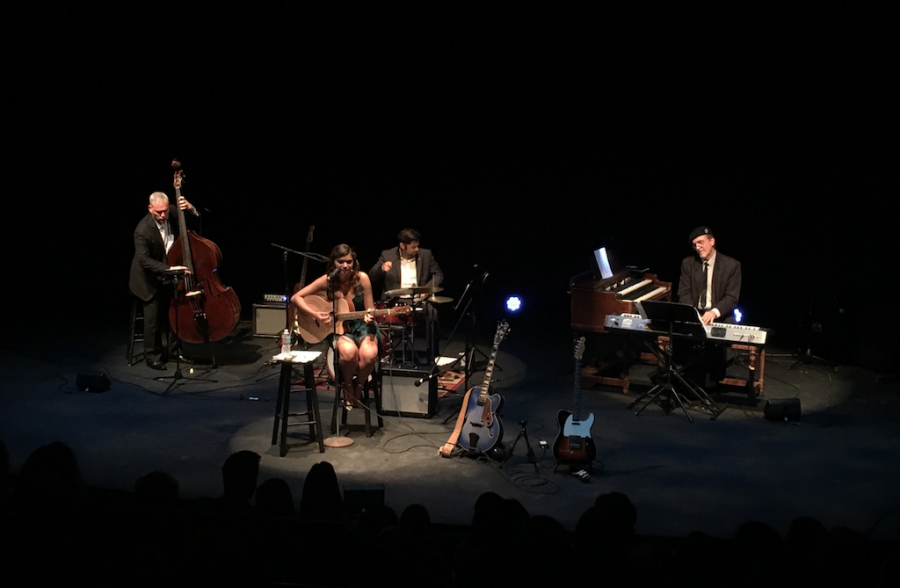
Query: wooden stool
[373,385]
[137,331]
[283,401]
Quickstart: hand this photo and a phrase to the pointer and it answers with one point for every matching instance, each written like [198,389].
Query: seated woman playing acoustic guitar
[358,340]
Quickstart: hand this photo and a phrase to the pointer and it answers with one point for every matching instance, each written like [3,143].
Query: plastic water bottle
[286,342]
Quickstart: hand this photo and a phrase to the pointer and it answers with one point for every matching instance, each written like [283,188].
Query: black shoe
[156,365]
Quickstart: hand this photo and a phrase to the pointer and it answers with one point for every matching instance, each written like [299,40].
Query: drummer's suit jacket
[428,272]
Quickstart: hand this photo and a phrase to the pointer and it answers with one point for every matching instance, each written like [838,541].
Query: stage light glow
[737,315]
[513,303]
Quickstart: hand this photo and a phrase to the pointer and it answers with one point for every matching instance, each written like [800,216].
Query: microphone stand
[468,355]
[336,440]
[287,286]
[177,275]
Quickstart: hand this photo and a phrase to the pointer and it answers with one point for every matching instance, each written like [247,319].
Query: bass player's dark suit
[148,282]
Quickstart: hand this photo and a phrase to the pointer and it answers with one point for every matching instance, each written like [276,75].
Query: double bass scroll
[203,309]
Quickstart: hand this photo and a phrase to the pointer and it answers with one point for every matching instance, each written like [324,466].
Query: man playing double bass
[153,237]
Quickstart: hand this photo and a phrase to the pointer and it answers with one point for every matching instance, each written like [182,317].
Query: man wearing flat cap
[710,281]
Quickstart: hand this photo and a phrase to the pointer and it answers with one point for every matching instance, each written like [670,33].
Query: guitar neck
[576,409]
[349,316]
[482,397]
[579,352]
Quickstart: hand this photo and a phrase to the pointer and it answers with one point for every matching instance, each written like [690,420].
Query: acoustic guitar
[573,441]
[482,428]
[314,331]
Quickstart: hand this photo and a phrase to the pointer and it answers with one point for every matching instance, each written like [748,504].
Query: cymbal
[426,289]
[438,299]
[398,292]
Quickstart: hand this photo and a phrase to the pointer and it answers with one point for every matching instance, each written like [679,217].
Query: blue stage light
[737,315]
[513,303]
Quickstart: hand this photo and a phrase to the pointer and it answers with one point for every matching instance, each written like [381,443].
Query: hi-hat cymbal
[439,299]
[426,289]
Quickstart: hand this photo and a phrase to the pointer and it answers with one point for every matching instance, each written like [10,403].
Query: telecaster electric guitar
[313,330]
[573,441]
[482,428]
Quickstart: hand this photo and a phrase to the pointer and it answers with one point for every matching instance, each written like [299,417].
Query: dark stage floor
[838,464]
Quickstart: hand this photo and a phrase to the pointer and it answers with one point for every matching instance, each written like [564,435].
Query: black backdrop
[518,137]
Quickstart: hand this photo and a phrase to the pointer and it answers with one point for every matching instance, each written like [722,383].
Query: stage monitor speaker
[401,397]
[358,498]
[782,409]
[268,319]
[92,382]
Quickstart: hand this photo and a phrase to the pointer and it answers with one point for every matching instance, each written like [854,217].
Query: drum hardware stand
[178,275]
[523,433]
[407,342]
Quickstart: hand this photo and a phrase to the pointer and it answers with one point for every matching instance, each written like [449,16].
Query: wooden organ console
[593,299]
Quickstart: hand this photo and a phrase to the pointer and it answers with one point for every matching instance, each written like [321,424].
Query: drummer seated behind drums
[357,348]
[407,265]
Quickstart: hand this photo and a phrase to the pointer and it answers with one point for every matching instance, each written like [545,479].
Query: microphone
[333,273]
[418,382]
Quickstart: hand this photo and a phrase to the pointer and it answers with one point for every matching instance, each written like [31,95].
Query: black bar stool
[137,331]
[283,401]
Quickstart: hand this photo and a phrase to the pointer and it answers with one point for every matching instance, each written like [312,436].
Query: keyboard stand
[676,388]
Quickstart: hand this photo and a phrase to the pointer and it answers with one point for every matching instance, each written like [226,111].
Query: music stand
[678,321]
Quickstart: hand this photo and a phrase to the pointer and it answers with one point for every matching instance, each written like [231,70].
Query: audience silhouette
[155,538]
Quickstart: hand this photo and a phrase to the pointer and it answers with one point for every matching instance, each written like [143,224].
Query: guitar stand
[523,433]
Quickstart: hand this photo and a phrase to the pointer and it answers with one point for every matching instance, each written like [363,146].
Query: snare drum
[391,319]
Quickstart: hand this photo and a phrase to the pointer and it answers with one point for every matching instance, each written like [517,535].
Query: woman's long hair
[340,251]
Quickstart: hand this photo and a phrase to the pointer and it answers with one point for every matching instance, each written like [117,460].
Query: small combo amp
[270,316]
[400,396]
[92,382]
[782,409]
[279,298]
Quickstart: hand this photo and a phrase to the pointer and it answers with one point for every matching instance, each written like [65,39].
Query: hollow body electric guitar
[482,428]
[573,441]
[313,330]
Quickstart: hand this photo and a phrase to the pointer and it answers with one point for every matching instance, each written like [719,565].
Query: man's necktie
[703,290]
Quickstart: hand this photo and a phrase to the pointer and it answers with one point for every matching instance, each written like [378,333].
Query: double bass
[203,308]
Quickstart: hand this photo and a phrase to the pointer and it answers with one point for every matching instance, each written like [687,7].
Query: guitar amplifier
[268,319]
[401,397]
